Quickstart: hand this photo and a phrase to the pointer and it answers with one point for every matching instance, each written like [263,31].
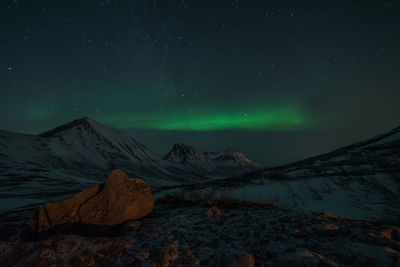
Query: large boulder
[118,200]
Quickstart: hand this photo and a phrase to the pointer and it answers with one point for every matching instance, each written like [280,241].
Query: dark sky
[277,80]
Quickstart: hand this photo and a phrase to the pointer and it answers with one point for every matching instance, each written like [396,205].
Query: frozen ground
[367,197]
[185,233]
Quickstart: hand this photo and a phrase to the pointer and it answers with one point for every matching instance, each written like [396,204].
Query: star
[10,68]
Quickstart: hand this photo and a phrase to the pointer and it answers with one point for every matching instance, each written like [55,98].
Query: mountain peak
[182,146]
[88,120]
[84,122]
[104,144]
[181,153]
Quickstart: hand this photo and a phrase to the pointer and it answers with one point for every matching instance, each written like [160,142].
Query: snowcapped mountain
[94,142]
[88,149]
[181,154]
[232,158]
[88,142]
[214,163]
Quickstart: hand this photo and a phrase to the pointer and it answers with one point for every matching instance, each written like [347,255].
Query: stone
[213,212]
[329,229]
[392,233]
[118,200]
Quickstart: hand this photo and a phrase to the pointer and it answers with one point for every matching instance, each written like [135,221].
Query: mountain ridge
[86,142]
[205,162]
[369,142]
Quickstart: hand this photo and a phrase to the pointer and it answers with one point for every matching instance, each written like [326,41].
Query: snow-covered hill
[210,163]
[375,155]
[360,181]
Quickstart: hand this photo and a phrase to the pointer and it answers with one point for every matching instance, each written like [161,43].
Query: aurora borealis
[271,119]
[277,80]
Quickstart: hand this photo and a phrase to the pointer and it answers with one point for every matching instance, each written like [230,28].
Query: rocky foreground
[200,229]
[118,200]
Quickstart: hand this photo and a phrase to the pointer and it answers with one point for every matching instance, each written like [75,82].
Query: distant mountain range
[87,148]
[210,163]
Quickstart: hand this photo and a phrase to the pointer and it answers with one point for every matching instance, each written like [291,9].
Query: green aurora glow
[285,118]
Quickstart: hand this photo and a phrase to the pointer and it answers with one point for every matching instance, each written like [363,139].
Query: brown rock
[167,255]
[329,229]
[297,232]
[118,200]
[326,216]
[392,232]
[213,212]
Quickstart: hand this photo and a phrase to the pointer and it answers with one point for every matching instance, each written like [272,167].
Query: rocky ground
[194,230]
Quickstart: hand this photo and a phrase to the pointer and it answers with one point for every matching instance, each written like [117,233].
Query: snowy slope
[360,181]
[92,142]
[234,163]
[378,154]
[87,142]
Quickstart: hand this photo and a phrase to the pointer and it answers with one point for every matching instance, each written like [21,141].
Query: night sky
[277,80]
